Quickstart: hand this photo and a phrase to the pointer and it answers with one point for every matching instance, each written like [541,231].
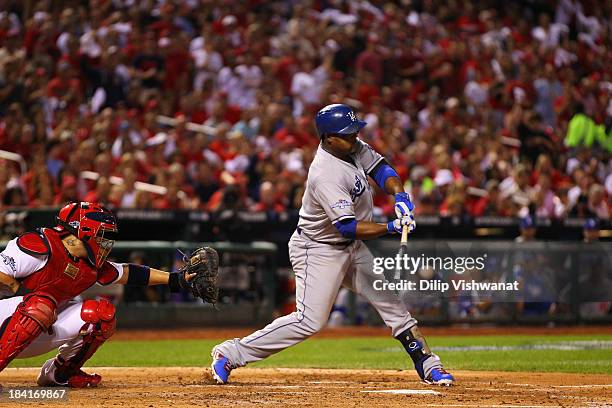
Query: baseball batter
[327,252]
[42,272]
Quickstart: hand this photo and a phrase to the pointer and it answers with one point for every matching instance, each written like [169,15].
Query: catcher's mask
[93,224]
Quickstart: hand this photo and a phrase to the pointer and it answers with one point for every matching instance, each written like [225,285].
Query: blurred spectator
[205,182]
[548,88]
[101,193]
[14,197]
[597,205]
[590,230]
[528,229]
[516,187]
[174,198]
[307,85]
[583,131]
[268,200]
[67,191]
[128,198]
[148,65]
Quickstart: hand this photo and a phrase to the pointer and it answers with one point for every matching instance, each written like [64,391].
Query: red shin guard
[33,315]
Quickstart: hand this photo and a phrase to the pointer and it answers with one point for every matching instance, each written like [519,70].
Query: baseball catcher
[42,272]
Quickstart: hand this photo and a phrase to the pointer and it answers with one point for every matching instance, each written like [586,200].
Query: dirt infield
[361,331]
[251,387]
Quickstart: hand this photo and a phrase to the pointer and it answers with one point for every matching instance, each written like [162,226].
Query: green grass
[368,352]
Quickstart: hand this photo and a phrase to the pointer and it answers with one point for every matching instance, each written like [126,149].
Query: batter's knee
[101,314]
[313,326]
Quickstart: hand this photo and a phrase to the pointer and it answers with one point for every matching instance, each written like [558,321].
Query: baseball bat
[403,250]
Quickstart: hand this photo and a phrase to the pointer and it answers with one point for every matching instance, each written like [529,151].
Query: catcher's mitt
[204,262]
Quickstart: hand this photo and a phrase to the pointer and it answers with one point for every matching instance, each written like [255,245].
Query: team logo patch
[358,190]
[71,271]
[74,224]
[341,204]
[10,262]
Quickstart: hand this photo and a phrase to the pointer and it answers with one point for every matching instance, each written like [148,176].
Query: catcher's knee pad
[33,315]
[101,315]
[418,350]
[99,318]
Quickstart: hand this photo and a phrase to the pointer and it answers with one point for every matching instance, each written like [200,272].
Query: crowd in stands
[485,108]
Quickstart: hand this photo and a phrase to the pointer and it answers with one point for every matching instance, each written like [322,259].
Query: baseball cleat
[83,380]
[440,376]
[220,367]
[78,379]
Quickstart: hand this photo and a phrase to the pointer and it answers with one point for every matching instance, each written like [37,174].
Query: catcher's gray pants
[320,271]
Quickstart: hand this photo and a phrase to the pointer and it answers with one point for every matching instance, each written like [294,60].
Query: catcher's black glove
[204,263]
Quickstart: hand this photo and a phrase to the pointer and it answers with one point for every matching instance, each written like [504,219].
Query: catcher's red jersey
[63,277]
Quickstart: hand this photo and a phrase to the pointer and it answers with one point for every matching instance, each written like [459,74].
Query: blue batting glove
[403,205]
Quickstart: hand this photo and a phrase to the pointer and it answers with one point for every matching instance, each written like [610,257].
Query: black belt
[344,243]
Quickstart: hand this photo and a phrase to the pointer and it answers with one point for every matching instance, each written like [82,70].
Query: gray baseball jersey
[323,260]
[337,190]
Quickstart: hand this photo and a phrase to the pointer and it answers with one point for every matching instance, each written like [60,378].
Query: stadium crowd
[499,108]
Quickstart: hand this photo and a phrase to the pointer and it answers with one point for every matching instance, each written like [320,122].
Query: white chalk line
[405,392]
[287,392]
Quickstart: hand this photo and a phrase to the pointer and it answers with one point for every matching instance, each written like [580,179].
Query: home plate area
[189,386]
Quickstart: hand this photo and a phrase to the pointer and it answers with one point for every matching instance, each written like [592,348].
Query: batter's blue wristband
[391,227]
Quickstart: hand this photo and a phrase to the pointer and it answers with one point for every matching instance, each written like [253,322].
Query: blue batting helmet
[337,119]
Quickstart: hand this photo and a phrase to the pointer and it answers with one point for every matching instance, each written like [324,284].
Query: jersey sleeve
[367,156]
[109,273]
[18,264]
[335,201]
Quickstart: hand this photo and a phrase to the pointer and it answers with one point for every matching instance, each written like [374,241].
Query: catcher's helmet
[93,224]
[337,119]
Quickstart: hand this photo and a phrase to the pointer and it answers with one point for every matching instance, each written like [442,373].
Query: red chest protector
[63,277]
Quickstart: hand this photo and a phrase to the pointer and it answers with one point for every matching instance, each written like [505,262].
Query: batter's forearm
[370,230]
[393,185]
